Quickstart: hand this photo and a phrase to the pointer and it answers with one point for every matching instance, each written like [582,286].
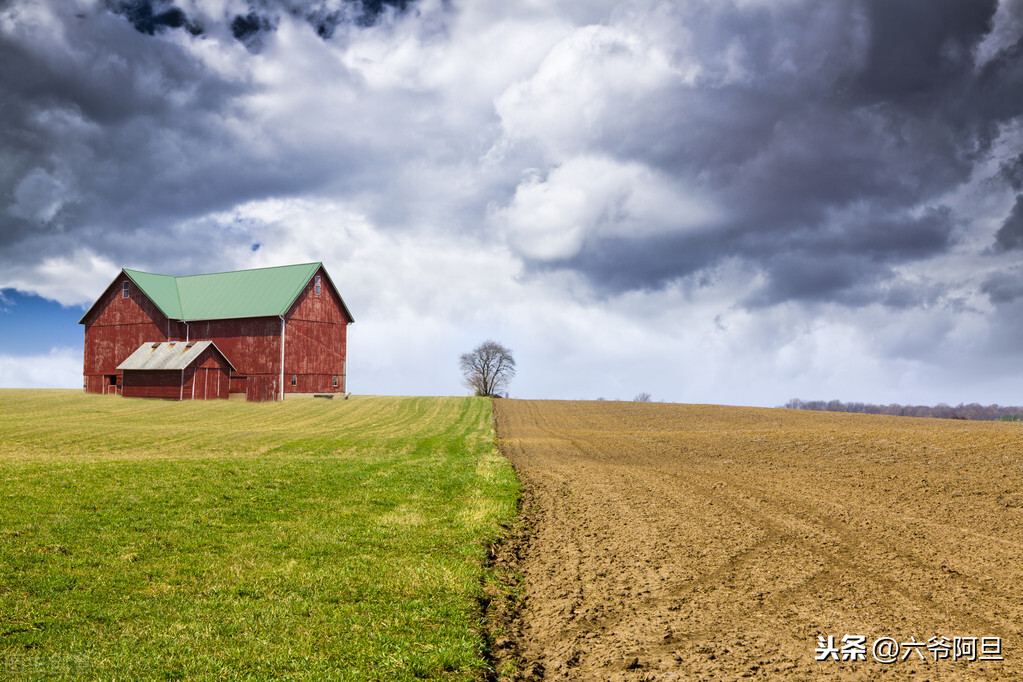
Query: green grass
[310,539]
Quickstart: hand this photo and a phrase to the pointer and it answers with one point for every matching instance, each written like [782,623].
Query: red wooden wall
[261,389]
[208,378]
[164,383]
[118,326]
[252,344]
[315,341]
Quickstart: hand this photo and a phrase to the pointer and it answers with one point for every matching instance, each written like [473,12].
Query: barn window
[317,285]
[294,380]
[335,382]
[125,289]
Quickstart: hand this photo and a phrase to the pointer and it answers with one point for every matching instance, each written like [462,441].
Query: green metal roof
[161,290]
[243,293]
[224,295]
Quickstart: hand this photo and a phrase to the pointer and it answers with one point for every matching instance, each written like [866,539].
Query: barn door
[214,384]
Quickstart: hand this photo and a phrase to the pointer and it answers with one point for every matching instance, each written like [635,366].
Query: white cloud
[596,198]
[418,297]
[75,280]
[587,86]
[60,368]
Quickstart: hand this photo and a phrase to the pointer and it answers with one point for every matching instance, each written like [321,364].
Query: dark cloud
[998,79]
[152,16]
[1012,172]
[825,135]
[797,276]
[325,22]
[829,132]
[850,260]
[325,17]
[1004,287]
[106,130]
[920,50]
[249,29]
[373,9]
[115,139]
[1010,235]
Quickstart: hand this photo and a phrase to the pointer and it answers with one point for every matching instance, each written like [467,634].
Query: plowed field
[680,542]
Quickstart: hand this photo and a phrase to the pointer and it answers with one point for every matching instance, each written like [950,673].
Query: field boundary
[504,596]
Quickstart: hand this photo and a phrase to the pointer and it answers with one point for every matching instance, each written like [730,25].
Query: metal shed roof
[168,355]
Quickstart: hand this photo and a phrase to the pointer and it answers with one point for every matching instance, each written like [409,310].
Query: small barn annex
[264,333]
[176,370]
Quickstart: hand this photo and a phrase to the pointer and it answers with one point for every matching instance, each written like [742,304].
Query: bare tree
[488,368]
[643,397]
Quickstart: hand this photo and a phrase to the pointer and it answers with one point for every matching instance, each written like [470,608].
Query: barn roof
[262,292]
[168,355]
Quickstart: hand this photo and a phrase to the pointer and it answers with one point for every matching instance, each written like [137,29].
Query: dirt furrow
[700,542]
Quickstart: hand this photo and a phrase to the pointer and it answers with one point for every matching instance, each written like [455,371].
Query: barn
[265,333]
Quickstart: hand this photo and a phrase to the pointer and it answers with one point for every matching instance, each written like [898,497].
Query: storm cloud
[831,168]
[822,138]
[262,16]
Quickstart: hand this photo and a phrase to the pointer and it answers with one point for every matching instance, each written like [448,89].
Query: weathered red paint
[261,388]
[208,378]
[115,328]
[315,343]
[152,384]
[252,344]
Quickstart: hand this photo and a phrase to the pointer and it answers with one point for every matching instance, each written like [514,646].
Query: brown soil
[681,542]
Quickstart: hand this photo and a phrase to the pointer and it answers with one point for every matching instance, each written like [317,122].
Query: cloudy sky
[712,201]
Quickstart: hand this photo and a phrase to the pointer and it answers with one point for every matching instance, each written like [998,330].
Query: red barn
[274,331]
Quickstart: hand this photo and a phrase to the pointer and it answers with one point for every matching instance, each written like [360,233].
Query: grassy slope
[310,539]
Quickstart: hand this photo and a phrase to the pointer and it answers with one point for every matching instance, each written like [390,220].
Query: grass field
[309,539]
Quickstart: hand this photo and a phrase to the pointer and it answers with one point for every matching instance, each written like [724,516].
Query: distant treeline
[939,411]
